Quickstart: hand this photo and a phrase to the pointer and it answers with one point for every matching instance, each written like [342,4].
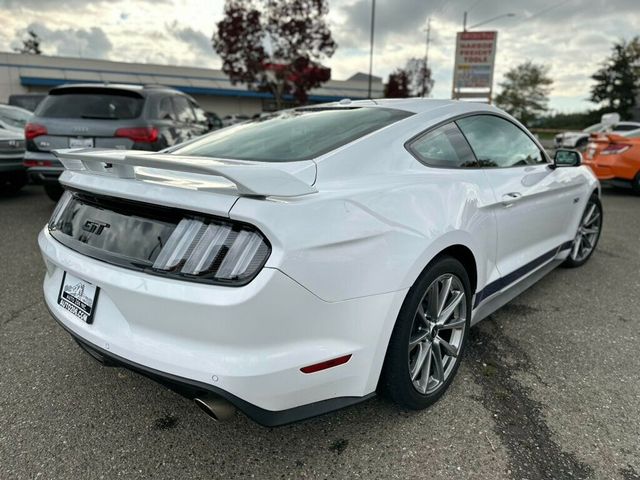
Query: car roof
[416,105]
[4,106]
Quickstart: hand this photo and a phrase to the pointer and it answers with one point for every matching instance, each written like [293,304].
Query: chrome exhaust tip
[216,407]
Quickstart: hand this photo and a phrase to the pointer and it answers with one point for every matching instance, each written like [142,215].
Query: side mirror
[567,158]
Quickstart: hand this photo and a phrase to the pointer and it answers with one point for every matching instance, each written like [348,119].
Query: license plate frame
[80,142]
[78,297]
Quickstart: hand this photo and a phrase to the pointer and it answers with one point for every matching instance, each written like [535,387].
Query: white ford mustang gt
[298,263]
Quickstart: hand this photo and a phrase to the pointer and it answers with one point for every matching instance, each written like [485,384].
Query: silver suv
[107,116]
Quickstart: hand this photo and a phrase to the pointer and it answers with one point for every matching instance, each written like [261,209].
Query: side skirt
[502,291]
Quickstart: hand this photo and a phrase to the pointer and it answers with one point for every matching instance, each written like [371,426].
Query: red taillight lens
[33,130]
[615,149]
[334,362]
[37,163]
[139,134]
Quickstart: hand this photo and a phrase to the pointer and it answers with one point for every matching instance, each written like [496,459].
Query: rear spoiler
[250,179]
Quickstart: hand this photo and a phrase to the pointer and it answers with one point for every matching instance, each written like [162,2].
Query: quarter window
[444,147]
[165,109]
[183,110]
[499,143]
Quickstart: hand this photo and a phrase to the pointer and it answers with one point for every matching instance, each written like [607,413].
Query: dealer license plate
[78,297]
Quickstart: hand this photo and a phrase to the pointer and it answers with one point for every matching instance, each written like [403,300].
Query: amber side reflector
[334,362]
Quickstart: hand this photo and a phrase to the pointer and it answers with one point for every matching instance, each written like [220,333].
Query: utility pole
[373,19]
[464,22]
[426,59]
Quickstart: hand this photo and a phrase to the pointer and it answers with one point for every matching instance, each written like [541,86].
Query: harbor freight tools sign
[475,59]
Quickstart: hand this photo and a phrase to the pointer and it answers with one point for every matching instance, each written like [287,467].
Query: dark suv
[107,116]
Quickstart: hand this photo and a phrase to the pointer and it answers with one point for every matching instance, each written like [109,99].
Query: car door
[184,116]
[533,201]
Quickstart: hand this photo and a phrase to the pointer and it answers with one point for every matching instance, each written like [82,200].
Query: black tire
[572,262]
[635,185]
[54,192]
[395,380]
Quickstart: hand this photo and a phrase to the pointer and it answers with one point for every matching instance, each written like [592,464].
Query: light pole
[373,19]
[498,17]
[426,59]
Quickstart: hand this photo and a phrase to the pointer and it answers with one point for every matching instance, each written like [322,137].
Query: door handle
[508,199]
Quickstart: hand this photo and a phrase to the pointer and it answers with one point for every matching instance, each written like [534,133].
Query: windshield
[98,105]
[14,117]
[593,128]
[292,135]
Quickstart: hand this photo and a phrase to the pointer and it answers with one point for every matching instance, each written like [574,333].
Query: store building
[22,73]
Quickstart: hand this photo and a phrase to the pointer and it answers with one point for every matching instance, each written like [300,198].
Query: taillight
[211,250]
[615,149]
[33,130]
[37,163]
[139,134]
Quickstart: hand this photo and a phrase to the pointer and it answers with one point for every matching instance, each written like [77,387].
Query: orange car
[615,159]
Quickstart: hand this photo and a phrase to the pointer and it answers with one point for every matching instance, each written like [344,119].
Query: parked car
[616,159]
[229,120]
[28,101]
[107,116]
[214,121]
[579,140]
[13,118]
[297,264]
[12,173]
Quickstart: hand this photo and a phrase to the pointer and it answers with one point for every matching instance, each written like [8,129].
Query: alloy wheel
[437,334]
[588,232]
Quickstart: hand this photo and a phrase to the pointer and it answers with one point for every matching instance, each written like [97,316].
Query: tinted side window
[444,147]
[499,143]
[184,112]
[165,109]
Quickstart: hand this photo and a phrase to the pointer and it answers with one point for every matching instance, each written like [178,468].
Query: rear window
[96,104]
[292,135]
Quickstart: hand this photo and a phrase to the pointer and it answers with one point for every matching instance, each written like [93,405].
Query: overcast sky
[572,37]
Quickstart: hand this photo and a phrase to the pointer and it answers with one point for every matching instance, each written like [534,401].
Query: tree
[617,82]
[275,46]
[413,79]
[420,74]
[30,45]
[398,85]
[525,91]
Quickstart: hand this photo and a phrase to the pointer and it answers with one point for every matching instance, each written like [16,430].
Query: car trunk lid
[171,180]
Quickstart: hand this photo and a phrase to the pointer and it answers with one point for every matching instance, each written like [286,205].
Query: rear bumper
[11,165]
[245,344]
[44,175]
[612,172]
[193,389]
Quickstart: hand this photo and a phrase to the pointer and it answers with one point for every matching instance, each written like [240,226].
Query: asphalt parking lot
[549,389]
